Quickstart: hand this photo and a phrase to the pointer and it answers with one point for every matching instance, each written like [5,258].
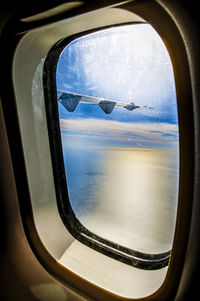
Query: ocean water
[126,195]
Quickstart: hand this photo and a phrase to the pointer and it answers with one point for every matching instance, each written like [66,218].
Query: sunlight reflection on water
[126,195]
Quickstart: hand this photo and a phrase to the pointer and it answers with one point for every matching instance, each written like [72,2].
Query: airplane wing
[70,101]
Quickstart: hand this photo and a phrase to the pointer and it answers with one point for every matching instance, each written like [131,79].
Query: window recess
[114,137]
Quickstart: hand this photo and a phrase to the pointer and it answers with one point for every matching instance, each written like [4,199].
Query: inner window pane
[120,138]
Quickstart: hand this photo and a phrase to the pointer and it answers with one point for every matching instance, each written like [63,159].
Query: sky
[129,64]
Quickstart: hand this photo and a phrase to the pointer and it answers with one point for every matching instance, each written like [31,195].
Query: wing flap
[69,101]
[107,106]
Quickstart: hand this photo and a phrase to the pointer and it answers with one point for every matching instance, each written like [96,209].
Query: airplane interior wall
[29,272]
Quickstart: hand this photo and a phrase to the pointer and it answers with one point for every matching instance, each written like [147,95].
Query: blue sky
[128,64]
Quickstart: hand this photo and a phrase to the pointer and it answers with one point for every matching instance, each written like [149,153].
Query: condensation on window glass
[120,137]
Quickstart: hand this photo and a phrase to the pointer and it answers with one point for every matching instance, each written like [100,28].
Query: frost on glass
[122,167]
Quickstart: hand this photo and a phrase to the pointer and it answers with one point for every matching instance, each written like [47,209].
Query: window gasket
[123,254]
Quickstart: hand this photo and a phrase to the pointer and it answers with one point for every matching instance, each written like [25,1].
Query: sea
[125,195]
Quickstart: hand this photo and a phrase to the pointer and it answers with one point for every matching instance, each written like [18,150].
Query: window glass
[120,139]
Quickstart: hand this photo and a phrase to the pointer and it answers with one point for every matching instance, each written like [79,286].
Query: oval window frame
[126,255]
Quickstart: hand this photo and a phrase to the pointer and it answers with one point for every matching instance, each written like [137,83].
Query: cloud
[129,64]
[124,133]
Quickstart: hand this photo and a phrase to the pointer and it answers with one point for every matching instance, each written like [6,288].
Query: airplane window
[118,119]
